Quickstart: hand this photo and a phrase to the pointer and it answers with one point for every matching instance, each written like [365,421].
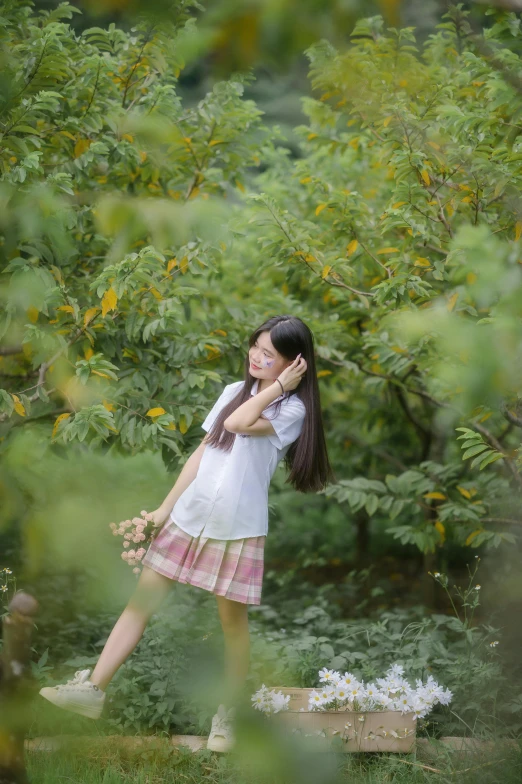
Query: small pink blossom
[128,536]
[141,552]
[136,570]
[131,553]
[113,526]
[115,533]
[126,544]
[124,555]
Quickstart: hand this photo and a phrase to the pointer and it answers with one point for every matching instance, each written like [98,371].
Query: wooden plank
[15,690]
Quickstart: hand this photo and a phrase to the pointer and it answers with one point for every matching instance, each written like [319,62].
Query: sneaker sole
[219,744]
[75,707]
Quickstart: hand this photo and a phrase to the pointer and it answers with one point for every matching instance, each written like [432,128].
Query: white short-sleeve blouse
[228,498]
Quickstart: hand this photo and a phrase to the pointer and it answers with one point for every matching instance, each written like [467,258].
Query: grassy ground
[256,763]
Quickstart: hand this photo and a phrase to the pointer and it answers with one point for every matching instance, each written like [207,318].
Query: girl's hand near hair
[292,375]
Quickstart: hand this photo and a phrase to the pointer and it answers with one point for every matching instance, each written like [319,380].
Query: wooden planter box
[327,730]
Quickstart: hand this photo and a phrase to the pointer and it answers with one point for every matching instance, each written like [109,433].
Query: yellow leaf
[319,208]
[57,275]
[182,425]
[89,315]
[422,262]
[463,491]
[128,137]
[221,332]
[99,373]
[107,405]
[449,209]
[154,412]
[467,199]
[69,135]
[471,278]
[387,250]
[325,271]
[215,141]
[240,186]
[436,495]
[311,136]
[425,176]
[518,230]
[305,180]
[171,264]
[143,156]
[285,288]
[351,122]
[156,294]
[57,422]
[183,265]
[463,187]
[410,232]
[440,528]
[109,301]
[398,204]
[88,353]
[171,426]
[322,373]
[66,308]
[352,247]
[434,145]
[194,192]
[387,120]
[80,147]
[18,405]
[223,246]
[452,300]
[473,535]
[32,314]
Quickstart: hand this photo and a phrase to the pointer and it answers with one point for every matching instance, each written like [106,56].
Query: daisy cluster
[269,700]
[134,531]
[393,692]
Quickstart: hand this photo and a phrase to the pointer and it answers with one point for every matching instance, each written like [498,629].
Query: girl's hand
[157,518]
[292,375]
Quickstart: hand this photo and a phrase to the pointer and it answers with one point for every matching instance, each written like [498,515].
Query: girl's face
[265,361]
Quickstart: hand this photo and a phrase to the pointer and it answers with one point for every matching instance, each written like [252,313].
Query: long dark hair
[307,457]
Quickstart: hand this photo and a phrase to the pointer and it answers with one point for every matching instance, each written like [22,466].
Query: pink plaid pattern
[227,567]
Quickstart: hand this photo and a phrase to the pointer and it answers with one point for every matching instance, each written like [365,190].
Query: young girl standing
[213,524]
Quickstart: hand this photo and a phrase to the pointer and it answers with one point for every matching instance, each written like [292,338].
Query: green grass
[105,762]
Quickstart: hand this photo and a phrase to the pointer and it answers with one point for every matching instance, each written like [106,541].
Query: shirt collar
[255,385]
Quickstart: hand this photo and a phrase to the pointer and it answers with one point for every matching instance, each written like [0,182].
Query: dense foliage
[141,241]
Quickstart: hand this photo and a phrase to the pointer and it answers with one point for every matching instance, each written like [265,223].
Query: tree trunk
[15,690]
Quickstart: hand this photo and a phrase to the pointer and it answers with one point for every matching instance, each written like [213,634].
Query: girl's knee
[149,593]
[233,616]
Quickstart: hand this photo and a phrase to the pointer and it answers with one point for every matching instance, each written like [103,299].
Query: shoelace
[78,678]
[223,724]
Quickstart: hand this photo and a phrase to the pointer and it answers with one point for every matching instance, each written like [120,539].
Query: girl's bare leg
[151,590]
[234,622]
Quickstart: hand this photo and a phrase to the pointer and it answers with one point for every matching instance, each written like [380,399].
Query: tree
[112,199]
[402,222]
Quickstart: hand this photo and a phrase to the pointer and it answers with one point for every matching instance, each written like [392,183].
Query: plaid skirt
[227,567]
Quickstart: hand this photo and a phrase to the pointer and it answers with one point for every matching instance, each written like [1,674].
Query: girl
[214,521]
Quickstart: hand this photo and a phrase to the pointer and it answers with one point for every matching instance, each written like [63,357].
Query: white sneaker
[78,695]
[221,736]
